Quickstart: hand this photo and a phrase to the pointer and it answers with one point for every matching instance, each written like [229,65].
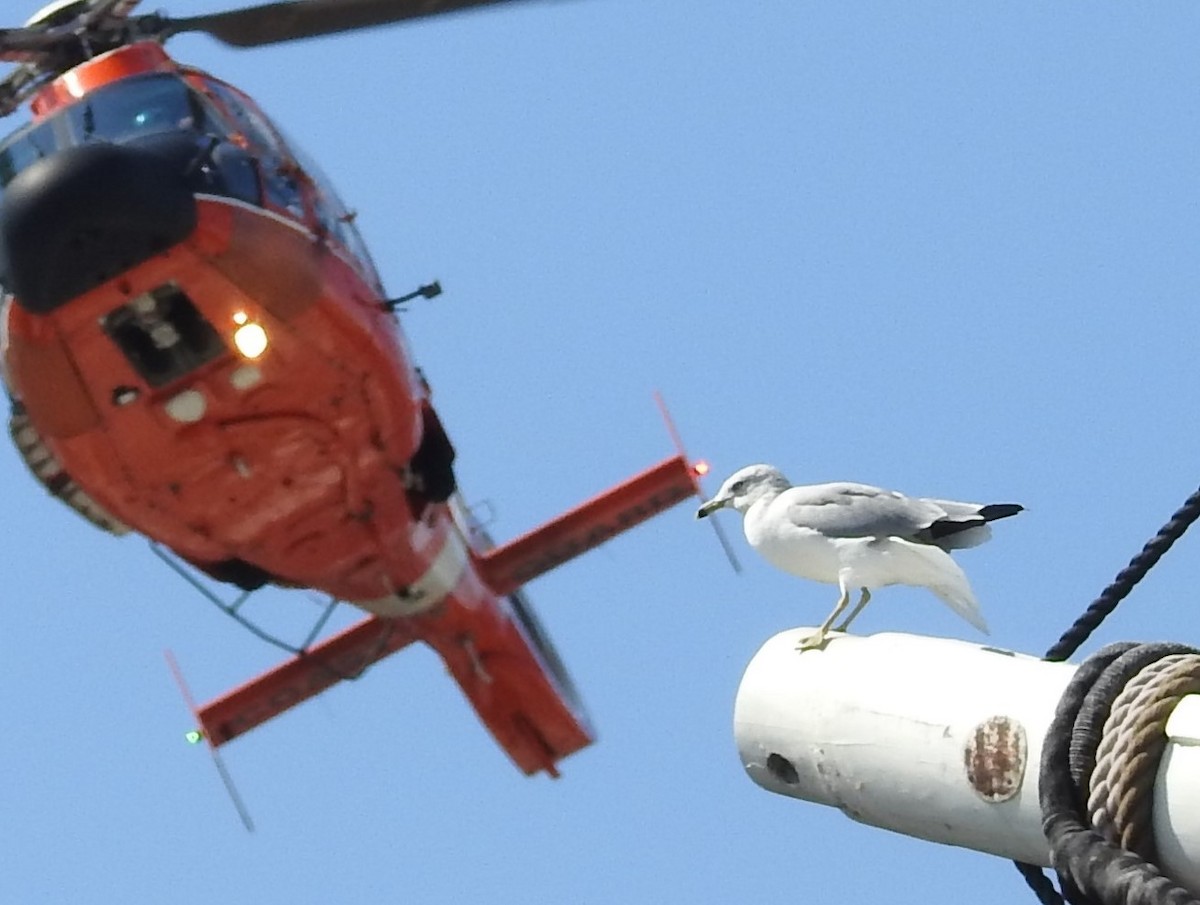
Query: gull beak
[710,507]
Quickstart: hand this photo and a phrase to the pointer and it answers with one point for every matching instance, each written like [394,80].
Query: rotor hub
[59,12]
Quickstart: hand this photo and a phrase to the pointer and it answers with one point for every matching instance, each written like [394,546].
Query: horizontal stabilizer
[343,656]
[587,526]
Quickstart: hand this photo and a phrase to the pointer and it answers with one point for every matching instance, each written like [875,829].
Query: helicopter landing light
[250,339]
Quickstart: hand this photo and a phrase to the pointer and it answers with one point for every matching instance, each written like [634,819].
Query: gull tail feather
[965,524]
[971,536]
[945,578]
[960,599]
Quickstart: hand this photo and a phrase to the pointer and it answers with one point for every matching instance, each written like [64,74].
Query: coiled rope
[1080,761]
[1103,749]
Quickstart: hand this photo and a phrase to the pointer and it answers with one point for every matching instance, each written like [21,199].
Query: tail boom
[482,629]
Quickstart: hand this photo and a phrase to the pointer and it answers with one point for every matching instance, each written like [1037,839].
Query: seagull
[859,536]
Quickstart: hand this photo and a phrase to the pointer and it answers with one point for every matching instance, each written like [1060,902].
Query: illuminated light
[700,469]
[240,318]
[194,736]
[250,339]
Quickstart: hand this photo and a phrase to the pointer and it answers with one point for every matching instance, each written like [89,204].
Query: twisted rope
[1091,868]
[1099,609]
[1121,797]
[1075,636]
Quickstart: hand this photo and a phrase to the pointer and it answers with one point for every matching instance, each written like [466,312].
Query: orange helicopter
[197,348]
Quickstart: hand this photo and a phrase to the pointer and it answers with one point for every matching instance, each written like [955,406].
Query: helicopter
[198,349]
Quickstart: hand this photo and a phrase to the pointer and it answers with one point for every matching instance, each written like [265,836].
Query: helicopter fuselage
[197,347]
[216,369]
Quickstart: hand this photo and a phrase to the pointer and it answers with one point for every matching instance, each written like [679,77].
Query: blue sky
[946,248]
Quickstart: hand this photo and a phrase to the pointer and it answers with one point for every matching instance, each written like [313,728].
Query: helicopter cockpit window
[334,216]
[115,113]
[279,185]
[22,148]
[159,113]
[136,106]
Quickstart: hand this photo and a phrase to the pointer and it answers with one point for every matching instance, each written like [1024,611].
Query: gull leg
[818,638]
[858,608]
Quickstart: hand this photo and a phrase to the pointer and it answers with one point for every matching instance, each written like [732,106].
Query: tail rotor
[195,736]
[699,470]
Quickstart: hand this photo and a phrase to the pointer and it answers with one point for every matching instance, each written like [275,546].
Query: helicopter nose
[79,217]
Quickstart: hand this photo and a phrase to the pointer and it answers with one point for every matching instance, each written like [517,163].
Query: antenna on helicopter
[428,291]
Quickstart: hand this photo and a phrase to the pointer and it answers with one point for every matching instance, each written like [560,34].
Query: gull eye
[738,486]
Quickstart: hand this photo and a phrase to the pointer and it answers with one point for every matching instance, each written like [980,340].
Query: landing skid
[233,608]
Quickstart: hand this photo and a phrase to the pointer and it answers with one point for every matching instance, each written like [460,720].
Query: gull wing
[846,509]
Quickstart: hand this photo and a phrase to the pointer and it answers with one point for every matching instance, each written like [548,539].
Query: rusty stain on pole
[995,758]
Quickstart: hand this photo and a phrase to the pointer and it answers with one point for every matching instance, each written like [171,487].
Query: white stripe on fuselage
[430,589]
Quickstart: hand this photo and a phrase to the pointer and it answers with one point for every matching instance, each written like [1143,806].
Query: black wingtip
[1000,510]
[946,527]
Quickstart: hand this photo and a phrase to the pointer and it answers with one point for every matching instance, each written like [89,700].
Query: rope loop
[1079,759]
[1099,763]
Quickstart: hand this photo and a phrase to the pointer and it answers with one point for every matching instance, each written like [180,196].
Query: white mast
[936,739]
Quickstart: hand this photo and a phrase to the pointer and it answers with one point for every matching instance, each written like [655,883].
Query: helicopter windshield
[24,147]
[116,113]
[135,106]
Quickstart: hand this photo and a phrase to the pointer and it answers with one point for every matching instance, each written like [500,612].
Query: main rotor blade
[28,43]
[275,22]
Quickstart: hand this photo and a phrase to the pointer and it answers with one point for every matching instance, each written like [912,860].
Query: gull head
[746,487]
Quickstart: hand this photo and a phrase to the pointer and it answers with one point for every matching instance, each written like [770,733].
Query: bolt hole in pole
[782,769]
